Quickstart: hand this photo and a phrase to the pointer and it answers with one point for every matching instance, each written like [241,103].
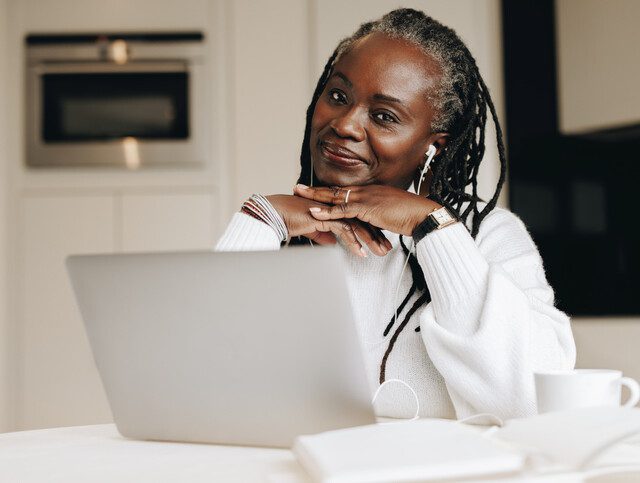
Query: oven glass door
[106,105]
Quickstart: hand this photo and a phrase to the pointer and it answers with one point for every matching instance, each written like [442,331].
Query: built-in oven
[129,100]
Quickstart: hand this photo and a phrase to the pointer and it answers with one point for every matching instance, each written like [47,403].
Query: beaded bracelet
[261,209]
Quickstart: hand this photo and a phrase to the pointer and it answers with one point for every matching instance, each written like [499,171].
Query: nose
[349,124]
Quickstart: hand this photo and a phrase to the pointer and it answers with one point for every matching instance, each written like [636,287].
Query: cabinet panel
[157,222]
[58,384]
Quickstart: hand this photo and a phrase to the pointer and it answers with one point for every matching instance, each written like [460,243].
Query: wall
[598,63]
[5,357]
[608,343]
[270,86]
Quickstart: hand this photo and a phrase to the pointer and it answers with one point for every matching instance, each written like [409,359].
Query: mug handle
[634,388]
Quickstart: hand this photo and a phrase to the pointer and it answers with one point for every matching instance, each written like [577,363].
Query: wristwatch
[437,219]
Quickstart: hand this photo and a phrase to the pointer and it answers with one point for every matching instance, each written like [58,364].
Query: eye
[337,96]
[384,117]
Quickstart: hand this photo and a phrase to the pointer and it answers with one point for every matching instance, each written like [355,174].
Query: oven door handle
[108,67]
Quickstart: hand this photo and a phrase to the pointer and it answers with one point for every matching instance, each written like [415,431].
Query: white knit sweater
[490,325]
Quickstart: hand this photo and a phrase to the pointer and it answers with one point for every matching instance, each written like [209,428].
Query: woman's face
[372,122]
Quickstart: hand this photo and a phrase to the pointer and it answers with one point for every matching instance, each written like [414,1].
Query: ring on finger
[346,198]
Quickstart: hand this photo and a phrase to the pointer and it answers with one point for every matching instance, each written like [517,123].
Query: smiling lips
[340,156]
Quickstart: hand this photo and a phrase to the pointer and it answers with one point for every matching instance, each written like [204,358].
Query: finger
[344,231]
[369,235]
[340,211]
[322,238]
[303,190]
[380,236]
[335,195]
[388,243]
[383,239]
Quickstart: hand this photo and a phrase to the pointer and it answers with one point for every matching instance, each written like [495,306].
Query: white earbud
[431,152]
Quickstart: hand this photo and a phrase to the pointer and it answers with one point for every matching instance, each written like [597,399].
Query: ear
[439,140]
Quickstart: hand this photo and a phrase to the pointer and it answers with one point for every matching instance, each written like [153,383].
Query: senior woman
[473,317]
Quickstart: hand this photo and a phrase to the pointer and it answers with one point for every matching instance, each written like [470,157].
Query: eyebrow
[378,97]
[344,78]
[383,97]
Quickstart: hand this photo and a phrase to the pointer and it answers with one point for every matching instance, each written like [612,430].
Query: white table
[99,454]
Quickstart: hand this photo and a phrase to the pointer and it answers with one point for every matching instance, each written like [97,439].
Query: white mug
[579,388]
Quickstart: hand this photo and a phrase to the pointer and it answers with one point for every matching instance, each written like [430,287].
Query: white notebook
[431,449]
[403,451]
[570,440]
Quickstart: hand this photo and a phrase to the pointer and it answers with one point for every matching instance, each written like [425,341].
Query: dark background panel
[574,193]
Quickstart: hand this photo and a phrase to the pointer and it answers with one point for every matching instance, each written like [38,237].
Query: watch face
[442,216]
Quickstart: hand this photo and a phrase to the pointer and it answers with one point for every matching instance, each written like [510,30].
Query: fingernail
[383,247]
[302,186]
[315,209]
[363,252]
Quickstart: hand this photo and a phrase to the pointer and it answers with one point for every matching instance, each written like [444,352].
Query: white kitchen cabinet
[165,222]
[58,384]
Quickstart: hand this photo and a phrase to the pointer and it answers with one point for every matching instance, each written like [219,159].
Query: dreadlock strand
[418,303]
[305,156]
[399,310]
[501,152]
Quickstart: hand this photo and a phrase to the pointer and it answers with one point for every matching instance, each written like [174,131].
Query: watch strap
[428,225]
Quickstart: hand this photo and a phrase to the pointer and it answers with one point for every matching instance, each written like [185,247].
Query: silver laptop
[250,348]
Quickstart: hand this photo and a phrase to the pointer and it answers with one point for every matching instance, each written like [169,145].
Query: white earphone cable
[430,154]
[377,393]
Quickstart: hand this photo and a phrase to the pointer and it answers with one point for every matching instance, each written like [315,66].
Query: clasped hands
[322,215]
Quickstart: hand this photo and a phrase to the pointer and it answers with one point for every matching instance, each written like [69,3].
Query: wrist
[246,211]
[260,208]
[427,207]
[436,220]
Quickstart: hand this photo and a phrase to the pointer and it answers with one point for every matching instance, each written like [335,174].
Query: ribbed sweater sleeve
[245,233]
[492,321]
